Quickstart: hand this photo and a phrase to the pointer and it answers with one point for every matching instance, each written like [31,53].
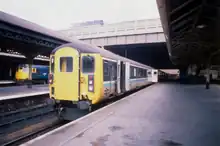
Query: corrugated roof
[19,22]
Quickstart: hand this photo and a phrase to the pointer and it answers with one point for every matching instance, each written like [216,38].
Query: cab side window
[88,64]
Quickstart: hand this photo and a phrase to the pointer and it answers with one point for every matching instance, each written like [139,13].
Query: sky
[60,14]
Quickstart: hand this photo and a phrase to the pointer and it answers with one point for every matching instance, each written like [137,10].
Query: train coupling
[84,105]
[60,111]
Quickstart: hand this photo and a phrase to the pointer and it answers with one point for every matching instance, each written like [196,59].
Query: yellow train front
[84,75]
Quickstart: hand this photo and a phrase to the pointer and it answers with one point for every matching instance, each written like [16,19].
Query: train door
[113,77]
[122,78]
[106,78]
[127,76]
[118,76]
[66,74]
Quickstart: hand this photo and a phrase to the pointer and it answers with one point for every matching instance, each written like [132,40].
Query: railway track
[40,128]
[20,117]
[19,125]
[26,118]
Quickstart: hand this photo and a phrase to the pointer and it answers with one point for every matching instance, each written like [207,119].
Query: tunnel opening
[152,54]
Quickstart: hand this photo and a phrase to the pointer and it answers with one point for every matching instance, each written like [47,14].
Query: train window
[19,66]
[131,72]
[138,72]
[114,71]
[106,69]
[66,64]
[144,73]
[25,69]
[52,62]
[88,64]
[134,72]
[141,73]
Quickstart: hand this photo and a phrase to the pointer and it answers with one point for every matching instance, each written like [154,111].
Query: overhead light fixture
[201,26]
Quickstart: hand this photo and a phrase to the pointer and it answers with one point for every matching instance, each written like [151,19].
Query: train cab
[153,75]
[22,73]
[39,73]
[75,76]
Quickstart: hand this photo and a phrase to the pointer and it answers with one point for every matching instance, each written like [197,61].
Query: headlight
[90,88]
[91,83]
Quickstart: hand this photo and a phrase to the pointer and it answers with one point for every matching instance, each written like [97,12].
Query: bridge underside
[23,47]
[152,54]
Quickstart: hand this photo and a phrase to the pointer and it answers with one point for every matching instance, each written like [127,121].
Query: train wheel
[60,110]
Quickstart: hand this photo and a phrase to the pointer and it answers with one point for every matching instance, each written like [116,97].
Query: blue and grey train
[39,73]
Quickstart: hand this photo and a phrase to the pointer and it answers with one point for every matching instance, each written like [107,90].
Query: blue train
[39,73]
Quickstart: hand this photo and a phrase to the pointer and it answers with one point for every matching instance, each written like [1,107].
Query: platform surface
[160,115]
[22,91]
[2,82]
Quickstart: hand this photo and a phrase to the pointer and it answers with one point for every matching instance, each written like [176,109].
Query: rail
[20,117]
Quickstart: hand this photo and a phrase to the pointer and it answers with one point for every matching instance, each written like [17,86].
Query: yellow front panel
[20,75]
[66,75]
[97,95]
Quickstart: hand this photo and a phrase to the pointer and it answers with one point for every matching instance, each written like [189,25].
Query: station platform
[7,93]
[164,114]
[3,82]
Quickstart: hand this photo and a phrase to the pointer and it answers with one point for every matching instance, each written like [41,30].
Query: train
[168,75]
[82,75]
[39,73]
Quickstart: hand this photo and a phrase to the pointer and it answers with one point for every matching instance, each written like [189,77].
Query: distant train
[39,73]
[84,75]
[165,76]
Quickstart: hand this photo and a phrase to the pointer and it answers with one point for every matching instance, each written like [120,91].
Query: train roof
[34,65]
[83,47]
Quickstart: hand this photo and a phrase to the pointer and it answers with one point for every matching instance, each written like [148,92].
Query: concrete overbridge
[140,40]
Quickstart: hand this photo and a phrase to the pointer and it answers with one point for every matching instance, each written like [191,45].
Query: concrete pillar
[208,65]
[30,62]
[207,77]
[183,75]
[126,52]
[10,72]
